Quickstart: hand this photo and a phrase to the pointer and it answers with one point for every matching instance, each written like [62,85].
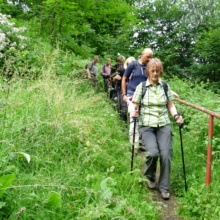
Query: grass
[79,154]
[200,201]
[79,151]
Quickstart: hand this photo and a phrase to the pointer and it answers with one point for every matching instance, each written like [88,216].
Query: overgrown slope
[79,154]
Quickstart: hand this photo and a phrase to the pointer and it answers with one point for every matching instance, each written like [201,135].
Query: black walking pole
[181,143]
[132,152]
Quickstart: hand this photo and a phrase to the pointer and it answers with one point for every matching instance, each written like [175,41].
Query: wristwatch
[123,95]
[175,116]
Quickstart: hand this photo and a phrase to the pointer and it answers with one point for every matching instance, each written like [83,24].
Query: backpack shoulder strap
[165,87]
[103,69]
[86,67]
[91,66]
[135,66]
[144,89]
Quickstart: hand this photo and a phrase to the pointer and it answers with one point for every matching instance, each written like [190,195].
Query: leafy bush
[79,153]
[200,201]
[11,44]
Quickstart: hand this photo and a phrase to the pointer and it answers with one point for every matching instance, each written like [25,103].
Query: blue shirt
[136,74]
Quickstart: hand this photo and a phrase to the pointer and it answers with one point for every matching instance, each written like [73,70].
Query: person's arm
[175,94]
[136,100]
[124,88]
[134,113]
[103,71]
[89,67]
[116,78]
[178,118]
[124,80]
[170,105]
[88,73]
[109,72]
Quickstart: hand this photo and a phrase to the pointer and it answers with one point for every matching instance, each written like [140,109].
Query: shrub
[11,44]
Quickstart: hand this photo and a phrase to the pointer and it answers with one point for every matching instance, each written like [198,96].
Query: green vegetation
[64,152]
[200,202]
[79,151]
[183,34]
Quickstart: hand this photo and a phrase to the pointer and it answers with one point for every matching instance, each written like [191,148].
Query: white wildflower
[16,29]
[2,47]
[13,44]
[2,37]
[21,37]
[7,33]
[22,28]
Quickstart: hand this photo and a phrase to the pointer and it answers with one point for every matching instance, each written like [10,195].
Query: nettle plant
[11,43]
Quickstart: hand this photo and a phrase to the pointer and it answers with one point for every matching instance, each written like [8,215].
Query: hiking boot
[115,99]
[151,185]
[165,195]
[110,88]
[142,149]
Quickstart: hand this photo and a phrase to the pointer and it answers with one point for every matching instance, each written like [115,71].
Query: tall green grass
[79,154]
[200,201]
[65,153]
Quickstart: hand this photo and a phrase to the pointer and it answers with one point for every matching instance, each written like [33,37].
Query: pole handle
[135,108]
[181,125]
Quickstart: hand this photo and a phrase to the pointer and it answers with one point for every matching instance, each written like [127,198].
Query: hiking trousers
[158,143]
[122,106]
[94,80]
[105,83]
[131,127]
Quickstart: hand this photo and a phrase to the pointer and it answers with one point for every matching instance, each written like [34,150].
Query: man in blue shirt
[133,76]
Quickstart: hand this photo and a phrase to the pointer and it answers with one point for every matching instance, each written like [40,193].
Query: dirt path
[167,207]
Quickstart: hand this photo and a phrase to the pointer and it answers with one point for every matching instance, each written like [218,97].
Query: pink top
[106,70]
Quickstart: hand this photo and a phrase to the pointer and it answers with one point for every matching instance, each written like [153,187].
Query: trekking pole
[181,143]
[132,152]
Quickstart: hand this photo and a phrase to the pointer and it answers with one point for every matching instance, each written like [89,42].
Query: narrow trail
[169,207]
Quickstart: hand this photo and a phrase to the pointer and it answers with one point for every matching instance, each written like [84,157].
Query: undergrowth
[200,201]
[65,153]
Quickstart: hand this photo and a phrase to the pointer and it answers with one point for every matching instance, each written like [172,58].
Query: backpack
[144,88]
[86,66]
[135,67]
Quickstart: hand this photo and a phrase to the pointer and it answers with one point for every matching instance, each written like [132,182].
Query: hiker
[115,77]
[154,124]
[128,61]
[117,72]
[92,70]
[105,73]
[134,74]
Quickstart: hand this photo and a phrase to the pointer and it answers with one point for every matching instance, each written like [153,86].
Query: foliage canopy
[183,34]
